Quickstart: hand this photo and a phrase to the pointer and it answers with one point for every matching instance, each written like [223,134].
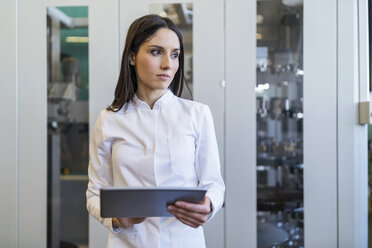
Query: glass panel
[68,130]
[279,98]
[181,14]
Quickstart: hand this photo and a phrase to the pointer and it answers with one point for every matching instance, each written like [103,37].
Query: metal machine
[68,131]
[279,103]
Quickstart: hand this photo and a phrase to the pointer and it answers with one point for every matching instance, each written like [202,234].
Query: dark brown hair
[139,32]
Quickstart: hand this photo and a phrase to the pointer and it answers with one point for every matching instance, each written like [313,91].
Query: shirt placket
[156,145]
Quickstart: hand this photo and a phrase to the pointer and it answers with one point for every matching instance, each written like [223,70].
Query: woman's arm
[99,171]
[207,162]
[100,175]
[207,165]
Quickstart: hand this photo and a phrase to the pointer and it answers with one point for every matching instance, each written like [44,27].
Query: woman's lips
[163,76]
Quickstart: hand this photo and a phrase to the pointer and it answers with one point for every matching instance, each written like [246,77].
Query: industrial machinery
[279,104]
[68,128]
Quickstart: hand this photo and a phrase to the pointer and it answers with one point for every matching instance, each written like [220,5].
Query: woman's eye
[174,55]
[155,52]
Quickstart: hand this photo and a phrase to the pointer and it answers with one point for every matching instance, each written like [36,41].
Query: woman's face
[156,62]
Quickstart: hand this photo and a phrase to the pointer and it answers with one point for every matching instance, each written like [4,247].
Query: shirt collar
[162,101]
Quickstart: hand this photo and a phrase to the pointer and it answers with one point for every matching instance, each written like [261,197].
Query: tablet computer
[144,202]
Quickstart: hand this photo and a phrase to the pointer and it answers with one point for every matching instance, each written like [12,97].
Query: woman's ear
[131,58]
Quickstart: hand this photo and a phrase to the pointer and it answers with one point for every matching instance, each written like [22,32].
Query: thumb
[138,220]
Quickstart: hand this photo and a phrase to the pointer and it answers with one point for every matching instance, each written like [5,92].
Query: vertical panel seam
[224,113]
[17,121]
[337,130]
[359,57]
[359,73]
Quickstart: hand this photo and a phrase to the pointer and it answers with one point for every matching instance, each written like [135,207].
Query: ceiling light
[77,39]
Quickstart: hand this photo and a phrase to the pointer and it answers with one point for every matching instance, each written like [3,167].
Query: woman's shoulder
[191,104]
[108,113]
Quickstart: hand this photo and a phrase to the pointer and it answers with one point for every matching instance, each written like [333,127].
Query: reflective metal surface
[279,105]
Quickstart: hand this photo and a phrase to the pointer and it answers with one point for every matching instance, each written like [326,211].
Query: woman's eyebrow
[160,47]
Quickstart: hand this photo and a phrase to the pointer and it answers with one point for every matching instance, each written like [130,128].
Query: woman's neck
[150,97]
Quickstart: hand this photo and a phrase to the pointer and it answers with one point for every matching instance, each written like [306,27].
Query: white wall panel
[32,124]
[241,230]
[320,123]
[9,124]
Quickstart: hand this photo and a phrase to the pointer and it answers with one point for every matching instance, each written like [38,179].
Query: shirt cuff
[216,205]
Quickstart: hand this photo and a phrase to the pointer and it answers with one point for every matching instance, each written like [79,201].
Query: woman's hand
[191,214]
[126,222]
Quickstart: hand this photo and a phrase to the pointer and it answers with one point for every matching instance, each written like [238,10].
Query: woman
[149,137]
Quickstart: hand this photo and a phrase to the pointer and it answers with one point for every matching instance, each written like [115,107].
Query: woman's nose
[166,62]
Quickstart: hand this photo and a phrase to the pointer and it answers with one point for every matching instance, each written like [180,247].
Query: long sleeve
[99,171]
[208,163]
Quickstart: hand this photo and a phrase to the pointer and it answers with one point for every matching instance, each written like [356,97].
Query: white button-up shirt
[171,145]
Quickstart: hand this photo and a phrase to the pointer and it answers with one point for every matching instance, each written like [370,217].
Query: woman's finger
[187,222]
[200,218]
[181,214]
[203,207]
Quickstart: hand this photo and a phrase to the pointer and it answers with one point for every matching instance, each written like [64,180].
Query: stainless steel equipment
[279,124]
